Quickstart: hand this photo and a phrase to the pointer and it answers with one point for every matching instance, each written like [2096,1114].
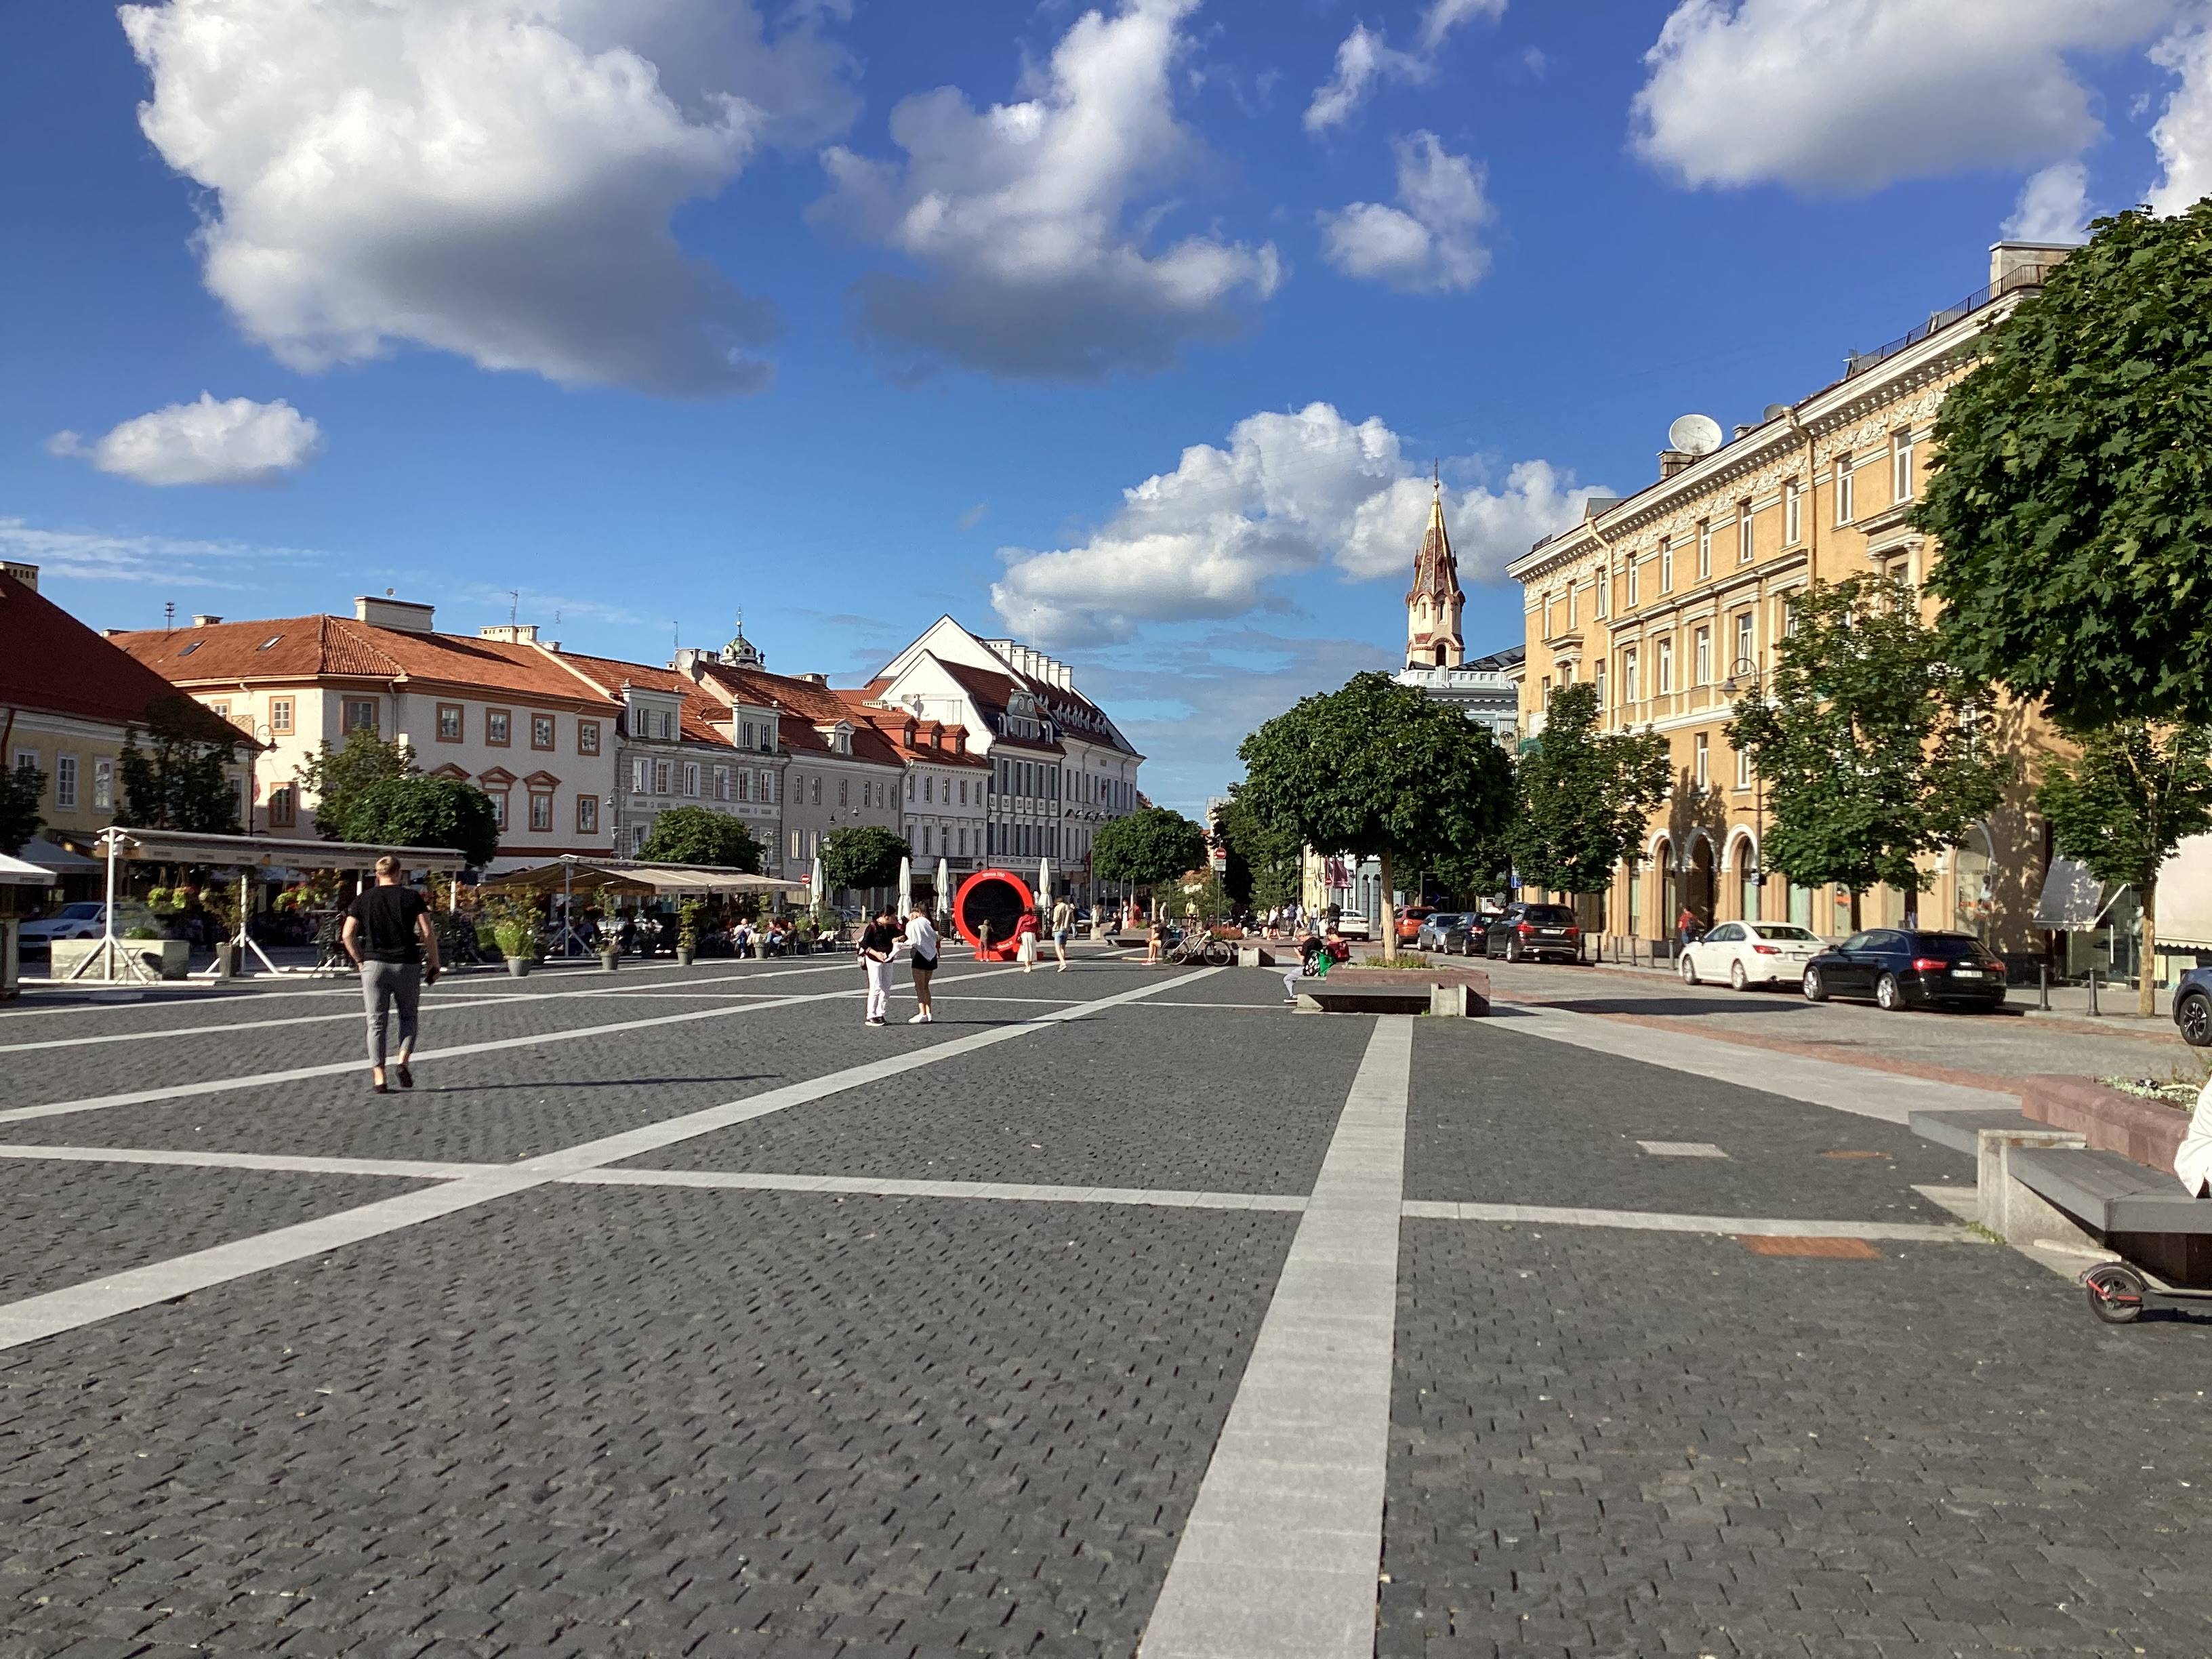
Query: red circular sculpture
[998,897]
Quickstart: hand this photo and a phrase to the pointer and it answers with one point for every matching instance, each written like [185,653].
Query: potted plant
[687,932]
[514,929]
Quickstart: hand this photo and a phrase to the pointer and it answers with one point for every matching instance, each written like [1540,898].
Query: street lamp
[1744,675]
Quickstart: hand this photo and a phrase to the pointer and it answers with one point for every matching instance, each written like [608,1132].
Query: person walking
[921,948]
[878,945]
[1026,940]
[1063,929]
[388,935]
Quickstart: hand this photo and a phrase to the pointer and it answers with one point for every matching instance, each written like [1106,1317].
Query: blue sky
[851,313]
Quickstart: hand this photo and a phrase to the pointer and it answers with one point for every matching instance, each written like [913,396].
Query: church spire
[1433,606]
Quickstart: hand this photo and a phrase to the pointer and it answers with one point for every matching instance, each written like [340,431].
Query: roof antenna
[513,607]
[169,616]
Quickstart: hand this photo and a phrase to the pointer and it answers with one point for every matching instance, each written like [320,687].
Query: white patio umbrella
[943,888]
[906,885]
[820,884]
[1044,882]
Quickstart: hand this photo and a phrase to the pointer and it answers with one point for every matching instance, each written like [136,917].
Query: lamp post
[1744,675]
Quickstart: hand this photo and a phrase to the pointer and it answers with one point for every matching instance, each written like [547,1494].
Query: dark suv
[1900,969]
[2193,1007]
[1534,932]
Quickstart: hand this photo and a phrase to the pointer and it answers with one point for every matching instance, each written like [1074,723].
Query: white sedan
[1748,953]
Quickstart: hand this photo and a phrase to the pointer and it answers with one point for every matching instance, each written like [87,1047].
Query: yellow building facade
[1672,601]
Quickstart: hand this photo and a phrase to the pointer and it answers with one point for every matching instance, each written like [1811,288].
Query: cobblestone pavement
[751,1331]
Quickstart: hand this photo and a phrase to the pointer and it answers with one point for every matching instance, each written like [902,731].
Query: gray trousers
[382,985]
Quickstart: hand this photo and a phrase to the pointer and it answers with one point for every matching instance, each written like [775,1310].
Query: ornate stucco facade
[1671,601]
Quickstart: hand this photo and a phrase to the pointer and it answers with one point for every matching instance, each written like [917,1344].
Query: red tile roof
[914,739]
[993,693]
[52,662]
[802,706]
[610,674]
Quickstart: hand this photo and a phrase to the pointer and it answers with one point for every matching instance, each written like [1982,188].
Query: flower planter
[165,958]
[685,956]
[609,961]
[519,967]
[2110,1121]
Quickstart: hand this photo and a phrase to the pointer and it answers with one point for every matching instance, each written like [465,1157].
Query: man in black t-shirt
[388,935]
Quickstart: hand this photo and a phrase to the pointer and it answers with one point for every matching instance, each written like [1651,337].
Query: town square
[1176,829]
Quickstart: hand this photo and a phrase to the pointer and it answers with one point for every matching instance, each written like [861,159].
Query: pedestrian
[878,945]
[921,947]
[983,941]
[1310,948]
[388,934]
[1026,940]
[1687,927]
[1153,940]
[1063,929]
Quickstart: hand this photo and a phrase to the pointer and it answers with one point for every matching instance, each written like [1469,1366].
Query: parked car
[86,919]
[1435,926]
[1350,924]
[1534,932]
[2193,1007]
[1748,953]
[1410,918]
[1900,969]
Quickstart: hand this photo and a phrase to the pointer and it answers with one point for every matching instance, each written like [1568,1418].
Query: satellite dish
[1695,434]
[1775,411]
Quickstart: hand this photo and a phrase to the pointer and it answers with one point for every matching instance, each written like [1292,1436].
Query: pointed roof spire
[1435,570]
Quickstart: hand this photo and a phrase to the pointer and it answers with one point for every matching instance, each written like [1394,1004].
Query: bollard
[2093,993]
[2043,985]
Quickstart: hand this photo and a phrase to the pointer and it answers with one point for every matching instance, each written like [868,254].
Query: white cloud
[237,441]
[1844,96]
[1017,213]
[1428,244]
[97,555]
[491,177]
[1292,494]
[2184,132]
[1364,56]
[2053,207]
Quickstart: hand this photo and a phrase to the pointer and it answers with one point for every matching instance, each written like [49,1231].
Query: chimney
[203,619]
[1672,461]
[816,679]
[2007,257]
[401,615]
[510,632]
[26,574]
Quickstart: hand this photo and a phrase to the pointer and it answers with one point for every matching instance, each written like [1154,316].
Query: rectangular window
[103,785]
[449,722]
[814,791]
[1788,619]
[639,778]
[1900,465]
[65,782]
[498,799]
[1846,489]
[844,791]
[1628,691]
[222,709]
[1743,769]
[963,842]
[691,779]
[1705,656]
[1572,596]
[794,845]
[722,783]
[1744,649]
[280,715]
[1666,667]
[1702,765]
[1743,532]
[1704,548]
[1666,565]
[587,737]
[541,732]
[661,778]
[499,727]
[283,807]
[541,811]
[1601,687]
[768,789]
[359,715]
[1793,514]
[1634,578]
[1601,599]
[587,815]
[929,789]
[963,792]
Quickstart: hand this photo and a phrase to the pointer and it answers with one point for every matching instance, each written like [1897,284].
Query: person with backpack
[879,942]
[921,948]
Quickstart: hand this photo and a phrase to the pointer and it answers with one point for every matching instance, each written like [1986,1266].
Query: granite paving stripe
[1653,1221]
[1279,1557]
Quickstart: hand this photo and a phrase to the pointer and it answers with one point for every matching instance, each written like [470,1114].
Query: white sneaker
[919,1019]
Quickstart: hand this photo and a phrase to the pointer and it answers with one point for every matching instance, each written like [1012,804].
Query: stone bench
[1393,991]
[2111,1193]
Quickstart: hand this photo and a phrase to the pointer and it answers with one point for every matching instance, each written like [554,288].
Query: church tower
[1433,638]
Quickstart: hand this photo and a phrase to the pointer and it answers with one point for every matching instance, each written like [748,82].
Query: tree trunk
[2147,970]
[1389,920]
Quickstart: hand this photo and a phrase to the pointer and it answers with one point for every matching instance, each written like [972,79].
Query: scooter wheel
[2116,1294]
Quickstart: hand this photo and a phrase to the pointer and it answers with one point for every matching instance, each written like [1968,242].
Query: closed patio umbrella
[821,885]
[944,889]
[906,885]
[1044,882]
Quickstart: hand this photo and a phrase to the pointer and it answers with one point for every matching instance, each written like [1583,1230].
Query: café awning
[632,877]
[2072,900]
[278,852]
[21,872]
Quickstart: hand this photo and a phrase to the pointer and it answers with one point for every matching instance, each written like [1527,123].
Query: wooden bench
[2111,1193]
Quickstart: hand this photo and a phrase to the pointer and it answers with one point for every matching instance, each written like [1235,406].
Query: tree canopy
[1263,858]
[865,855]
[1869,742]
[699,835]
[334,776]
[2071,498]
[2135,793]
[21,789]
[1585,797]
[176,778]
[419,812]
[1151,846]
[1377,770]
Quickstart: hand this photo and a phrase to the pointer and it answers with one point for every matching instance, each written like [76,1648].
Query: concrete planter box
[1463,992]
[2106,1120]
[166,959]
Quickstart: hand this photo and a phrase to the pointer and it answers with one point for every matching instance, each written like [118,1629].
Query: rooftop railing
[2020,277]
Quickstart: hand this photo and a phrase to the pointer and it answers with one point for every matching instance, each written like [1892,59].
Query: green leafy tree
[1869,742]
[2071,500]
[699,835]
[21,789]
[1377,770]
[866,856]
[180,778]
[335,776]
[419,812]
[1150,848]
[1263,858]
[2136,792]
[1585,797]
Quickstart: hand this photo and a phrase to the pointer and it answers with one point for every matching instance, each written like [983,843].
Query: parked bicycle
[1194,947]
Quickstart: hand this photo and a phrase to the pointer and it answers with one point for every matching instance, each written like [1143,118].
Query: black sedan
[1901,969]
[2193,1007]
[1525,932]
